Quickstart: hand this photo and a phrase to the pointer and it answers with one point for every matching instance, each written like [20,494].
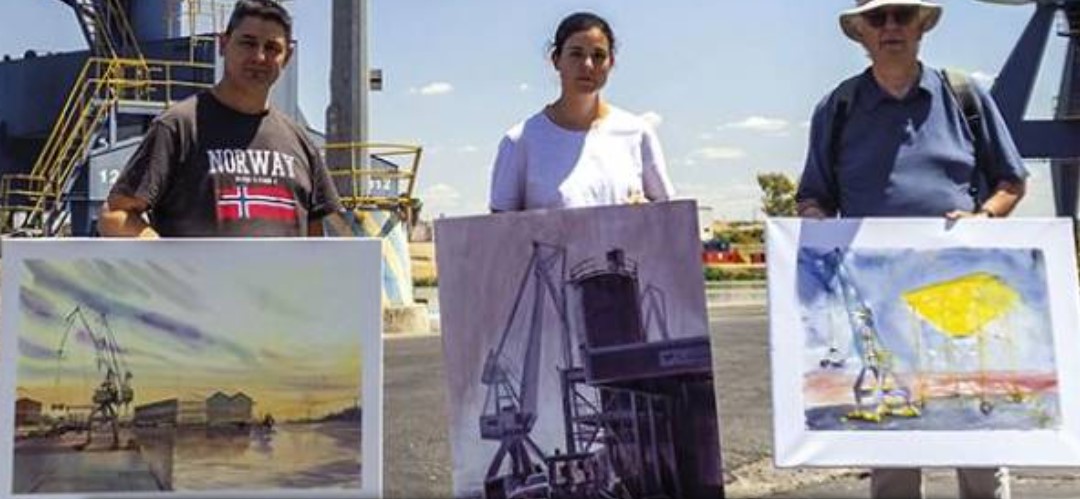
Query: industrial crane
[961,309]
[619,442]
[877,391]
[1053,138]
[510,409]
[115,390]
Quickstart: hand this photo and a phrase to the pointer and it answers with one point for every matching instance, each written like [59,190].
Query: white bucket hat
[929,14]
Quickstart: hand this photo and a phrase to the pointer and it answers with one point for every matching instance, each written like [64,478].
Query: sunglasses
[902,16]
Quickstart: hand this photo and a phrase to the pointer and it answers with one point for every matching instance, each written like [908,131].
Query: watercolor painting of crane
[198,367]
[928,339]
[921,342]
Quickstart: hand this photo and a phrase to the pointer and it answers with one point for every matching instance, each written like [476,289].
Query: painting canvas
[922,342]
[201,368]
[577,354]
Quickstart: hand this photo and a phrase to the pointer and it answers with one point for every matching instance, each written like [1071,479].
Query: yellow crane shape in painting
[878,392]
[962,308]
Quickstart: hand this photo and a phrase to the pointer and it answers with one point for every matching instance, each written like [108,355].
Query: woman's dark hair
[576,23]
[265,9]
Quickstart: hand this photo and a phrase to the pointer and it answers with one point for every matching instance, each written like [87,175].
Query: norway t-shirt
[208,170]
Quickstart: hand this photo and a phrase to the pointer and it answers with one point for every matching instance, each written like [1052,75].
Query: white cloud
[984,79]
[757,124]
[733,192]
[524,87]
[719,152]
[468,149]
[652,118]
[705,136]
[441,199]
[736,201]
[693,189]
[436,88]
[441,193]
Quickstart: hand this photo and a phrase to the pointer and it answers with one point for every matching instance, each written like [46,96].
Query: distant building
[27,412]
[705,223]
[171,412]
[224,410]
[160,413]
[422,232]
[191,413]
[67,414]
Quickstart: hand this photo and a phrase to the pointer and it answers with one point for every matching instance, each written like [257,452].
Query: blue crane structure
[1056,139]
[70,121]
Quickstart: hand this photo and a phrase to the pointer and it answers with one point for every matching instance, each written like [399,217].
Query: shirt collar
[873,95]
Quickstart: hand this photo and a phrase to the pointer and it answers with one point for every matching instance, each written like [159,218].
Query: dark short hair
[576,23]
[269,10]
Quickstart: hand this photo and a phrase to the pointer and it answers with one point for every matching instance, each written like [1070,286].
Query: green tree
[777,194]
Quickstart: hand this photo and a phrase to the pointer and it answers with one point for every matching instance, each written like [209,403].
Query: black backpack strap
[842,99]
[960,87]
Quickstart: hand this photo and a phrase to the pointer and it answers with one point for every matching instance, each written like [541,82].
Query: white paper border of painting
[367,310]
[796,446]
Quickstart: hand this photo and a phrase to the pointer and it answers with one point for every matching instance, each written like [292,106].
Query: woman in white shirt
[579,150]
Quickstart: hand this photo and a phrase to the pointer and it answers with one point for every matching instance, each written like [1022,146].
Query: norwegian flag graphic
[263,202]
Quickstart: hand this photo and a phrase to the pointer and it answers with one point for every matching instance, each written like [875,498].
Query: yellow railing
[127,34]
[134,61]
[111,16]
[353,161]
[159,83]
[117,76]
[34,193]
[101,84]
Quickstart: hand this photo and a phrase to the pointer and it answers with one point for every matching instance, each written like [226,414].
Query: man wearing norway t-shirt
[223,162]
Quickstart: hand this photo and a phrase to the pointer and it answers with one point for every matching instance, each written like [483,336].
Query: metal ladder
[32,203]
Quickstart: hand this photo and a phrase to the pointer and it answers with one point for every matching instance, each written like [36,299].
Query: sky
[730,85]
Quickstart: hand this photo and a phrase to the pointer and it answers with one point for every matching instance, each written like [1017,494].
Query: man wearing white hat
[899,140]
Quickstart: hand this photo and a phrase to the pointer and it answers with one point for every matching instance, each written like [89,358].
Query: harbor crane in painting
[510,410]
[635,412]
[115,391]
[877,390]
[961,309]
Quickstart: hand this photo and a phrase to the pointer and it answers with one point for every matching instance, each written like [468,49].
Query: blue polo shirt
[912,156]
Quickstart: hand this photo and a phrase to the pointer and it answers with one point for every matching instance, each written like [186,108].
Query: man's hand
[958,214]
[122,216]
[332,225]
[1006,195]
[810,208]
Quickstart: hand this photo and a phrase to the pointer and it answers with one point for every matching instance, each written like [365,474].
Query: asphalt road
[417,452]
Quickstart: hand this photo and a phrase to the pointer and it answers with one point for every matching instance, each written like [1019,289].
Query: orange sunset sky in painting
[187,331]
